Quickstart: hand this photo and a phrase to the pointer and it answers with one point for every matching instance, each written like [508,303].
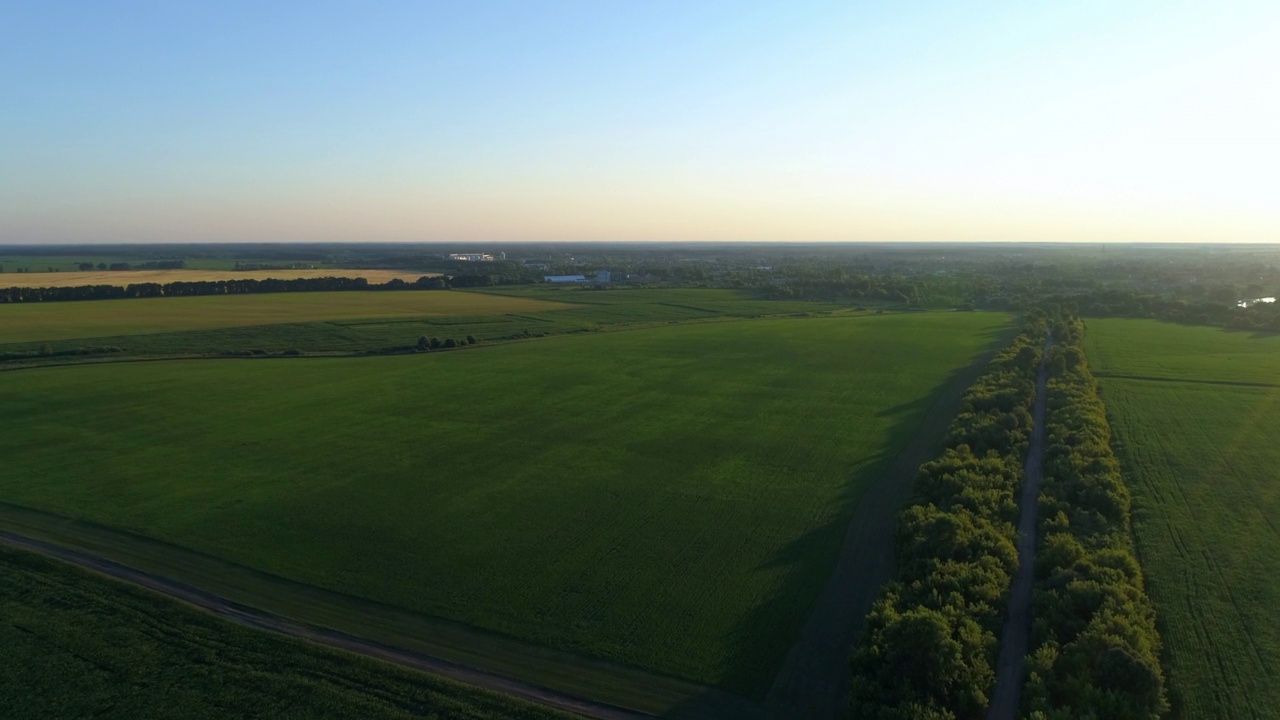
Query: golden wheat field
[129,277]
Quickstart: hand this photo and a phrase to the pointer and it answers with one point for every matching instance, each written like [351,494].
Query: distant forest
[1221,285]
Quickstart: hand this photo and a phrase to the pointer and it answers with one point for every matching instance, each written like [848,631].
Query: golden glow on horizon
[1006,122]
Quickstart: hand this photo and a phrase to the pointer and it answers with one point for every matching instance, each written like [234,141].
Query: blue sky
[1114,121]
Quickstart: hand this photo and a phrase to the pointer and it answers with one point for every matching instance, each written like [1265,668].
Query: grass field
[78,645]
[380,320]
[37,322]
[1156,350]
[672,498]
[1199,449]
[129,277]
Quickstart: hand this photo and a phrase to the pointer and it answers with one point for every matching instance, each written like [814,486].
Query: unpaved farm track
[1011,668]
[249,617]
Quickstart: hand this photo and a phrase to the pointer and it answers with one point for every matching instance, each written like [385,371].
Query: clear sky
[601,120]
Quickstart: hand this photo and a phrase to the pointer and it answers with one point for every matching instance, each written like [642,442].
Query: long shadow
[858,547]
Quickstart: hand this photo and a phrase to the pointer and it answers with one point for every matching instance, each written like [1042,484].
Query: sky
[1111,121]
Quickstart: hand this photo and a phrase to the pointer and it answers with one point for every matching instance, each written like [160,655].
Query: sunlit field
[671,498]
[1199,449]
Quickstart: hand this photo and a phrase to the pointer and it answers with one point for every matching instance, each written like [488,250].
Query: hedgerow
[929,645]
[1094,631]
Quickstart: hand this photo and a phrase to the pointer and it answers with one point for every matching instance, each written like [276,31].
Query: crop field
[671,498]
[10,263]
[1150,349]
[667,303]
[362,322]
[38,322]
[1198,446]
[129,277]
[78,645]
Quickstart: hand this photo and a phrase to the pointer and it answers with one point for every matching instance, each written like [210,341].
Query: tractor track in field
[1011,666]
[259,620]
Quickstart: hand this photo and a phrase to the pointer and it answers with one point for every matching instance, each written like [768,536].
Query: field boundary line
[259,620]
[1195,381]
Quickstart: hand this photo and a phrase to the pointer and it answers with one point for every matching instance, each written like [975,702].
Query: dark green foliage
[423,343]
[46,350]
[929,645]
[450,343]
[1098,648]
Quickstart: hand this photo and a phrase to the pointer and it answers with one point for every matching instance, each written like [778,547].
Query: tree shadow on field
[790,654]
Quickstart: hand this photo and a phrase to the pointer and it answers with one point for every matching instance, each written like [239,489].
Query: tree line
[244,286]
[1094,630]
[928,648]
[1222,311]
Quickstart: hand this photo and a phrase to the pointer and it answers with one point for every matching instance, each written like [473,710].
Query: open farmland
[1153,350]
[38,322]
[131,277]
[130,654]
[1196,414]
[672,498]
[362,322]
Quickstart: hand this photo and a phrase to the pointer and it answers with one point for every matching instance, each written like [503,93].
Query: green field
[672,498]
[37,322]
[352,322]
[1150,349]
[78,645]
[1199,450]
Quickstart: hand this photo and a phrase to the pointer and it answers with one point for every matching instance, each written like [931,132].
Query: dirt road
[1011,668]
[264,621]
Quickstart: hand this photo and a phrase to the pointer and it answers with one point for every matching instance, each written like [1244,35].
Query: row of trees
[1260,317]
[211,287]
[929,645]
[1094,631]
[426,344]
